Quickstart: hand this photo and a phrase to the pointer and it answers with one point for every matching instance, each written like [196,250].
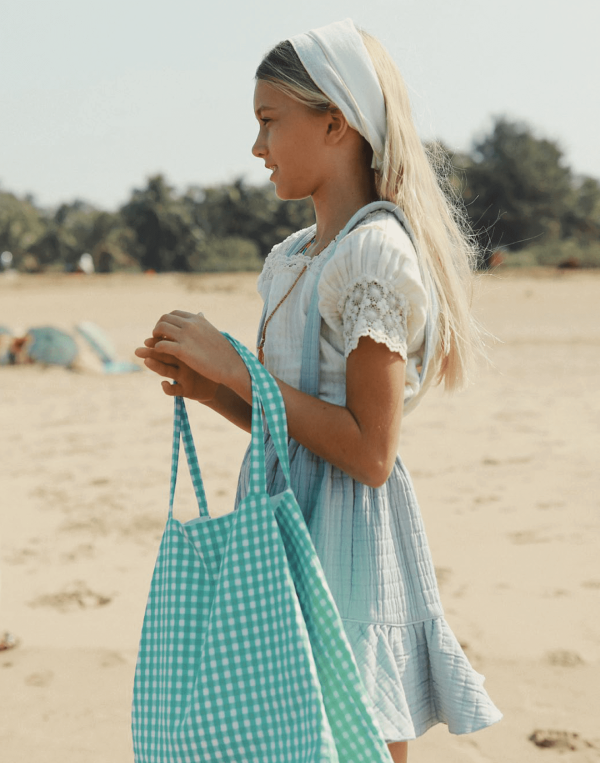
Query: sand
[506,473]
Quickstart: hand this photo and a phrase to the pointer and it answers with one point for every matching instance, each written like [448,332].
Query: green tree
[166,232]
[21,225]
[582,220]
[517,188]
[247,212]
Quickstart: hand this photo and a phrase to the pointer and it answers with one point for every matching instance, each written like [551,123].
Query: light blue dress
[372,546]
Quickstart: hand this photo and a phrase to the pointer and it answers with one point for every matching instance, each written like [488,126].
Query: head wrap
[339,64]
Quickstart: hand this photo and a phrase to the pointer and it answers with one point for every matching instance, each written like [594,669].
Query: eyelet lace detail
[371,308]
[278,261]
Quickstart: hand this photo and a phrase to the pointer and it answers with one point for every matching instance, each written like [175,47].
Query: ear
[337,126]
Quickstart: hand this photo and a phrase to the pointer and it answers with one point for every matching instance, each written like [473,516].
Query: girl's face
[291,141]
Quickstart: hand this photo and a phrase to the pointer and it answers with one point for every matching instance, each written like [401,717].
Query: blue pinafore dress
[372,546]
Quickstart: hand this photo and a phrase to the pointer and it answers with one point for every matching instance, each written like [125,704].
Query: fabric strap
[339,64]
[267,401]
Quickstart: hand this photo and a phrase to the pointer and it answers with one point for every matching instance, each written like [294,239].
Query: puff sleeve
[372,286]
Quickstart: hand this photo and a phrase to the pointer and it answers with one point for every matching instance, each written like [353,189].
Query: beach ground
[506,473]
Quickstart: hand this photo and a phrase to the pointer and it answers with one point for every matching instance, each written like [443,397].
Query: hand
[191,340]
[190,384]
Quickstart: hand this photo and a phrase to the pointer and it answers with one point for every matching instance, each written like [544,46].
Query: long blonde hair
[408,179]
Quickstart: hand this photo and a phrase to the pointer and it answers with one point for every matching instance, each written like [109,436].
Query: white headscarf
[338,62]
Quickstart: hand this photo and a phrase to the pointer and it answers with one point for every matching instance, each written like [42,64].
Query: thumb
[172,390]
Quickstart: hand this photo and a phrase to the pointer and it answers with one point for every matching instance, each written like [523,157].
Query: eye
[264,120]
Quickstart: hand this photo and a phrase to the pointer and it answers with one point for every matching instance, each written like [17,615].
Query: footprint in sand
[112,660]
[559,740]
[502,462]
[43,678]
[486,498]
[443,575]
[550,505]
[97,526]
[564,658]
[594,584]
[21,555]
[83,551]
[73,597]
[525,537]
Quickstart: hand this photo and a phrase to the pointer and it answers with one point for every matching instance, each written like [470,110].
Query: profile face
[290,141]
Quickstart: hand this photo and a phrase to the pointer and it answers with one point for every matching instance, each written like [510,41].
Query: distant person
[382,283]
[87,348]
[85,264]
[6,261]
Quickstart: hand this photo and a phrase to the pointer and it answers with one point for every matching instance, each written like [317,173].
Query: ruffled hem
[417,675]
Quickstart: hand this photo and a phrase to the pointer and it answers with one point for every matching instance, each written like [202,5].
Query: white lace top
[370,287]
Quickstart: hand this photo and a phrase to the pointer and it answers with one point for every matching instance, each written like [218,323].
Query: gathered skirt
[372,546]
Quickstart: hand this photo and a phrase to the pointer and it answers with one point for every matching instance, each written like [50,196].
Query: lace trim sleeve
[369,307]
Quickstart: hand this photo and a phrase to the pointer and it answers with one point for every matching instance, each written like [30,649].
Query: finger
[150,342]
[168,347]
[174,317]
[163,331]
[167,325]
[172,390]
[184,314]
[147,352]
[162,369]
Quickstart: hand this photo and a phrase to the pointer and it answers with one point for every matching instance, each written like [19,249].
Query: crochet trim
[371,308]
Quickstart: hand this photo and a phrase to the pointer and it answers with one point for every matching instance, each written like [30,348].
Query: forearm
[334,433]
[232,407]
[330,431]
[360,437]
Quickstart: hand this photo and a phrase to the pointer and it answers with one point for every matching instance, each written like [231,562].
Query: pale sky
[96,96]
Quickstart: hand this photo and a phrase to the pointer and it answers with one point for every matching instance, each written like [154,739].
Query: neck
[335,202]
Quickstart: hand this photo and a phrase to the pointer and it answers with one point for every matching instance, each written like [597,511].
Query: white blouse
[372,286]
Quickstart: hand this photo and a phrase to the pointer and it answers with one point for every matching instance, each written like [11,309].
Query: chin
[290,194]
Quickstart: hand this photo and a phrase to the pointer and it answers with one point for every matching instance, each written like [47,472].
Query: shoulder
[278,260]
[372,286]
[377,250]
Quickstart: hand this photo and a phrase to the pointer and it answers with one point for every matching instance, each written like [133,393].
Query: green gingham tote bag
[243,657]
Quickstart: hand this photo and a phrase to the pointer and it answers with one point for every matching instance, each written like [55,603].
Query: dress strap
[298,245]
[310,369]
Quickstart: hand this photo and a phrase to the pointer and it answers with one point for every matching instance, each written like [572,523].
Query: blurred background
[126,127]
[125,136]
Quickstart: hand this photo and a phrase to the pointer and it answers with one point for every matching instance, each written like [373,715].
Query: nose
[259,148]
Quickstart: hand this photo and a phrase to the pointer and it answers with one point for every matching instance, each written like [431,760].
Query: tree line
[524,203]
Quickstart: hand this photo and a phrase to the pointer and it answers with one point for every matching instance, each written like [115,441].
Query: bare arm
[361,438]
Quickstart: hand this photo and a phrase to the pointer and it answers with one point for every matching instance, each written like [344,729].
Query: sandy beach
[506,473]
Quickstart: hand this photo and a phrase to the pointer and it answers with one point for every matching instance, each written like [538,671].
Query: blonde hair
[408,179]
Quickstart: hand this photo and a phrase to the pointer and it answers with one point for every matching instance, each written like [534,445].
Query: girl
[362,313]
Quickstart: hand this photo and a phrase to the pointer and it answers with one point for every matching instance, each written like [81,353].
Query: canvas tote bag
[243,656]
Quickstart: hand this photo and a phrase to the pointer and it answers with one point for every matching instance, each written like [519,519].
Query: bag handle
[181,430]
[266,397]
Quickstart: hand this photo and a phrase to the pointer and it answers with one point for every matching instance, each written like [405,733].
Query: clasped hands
[188,349]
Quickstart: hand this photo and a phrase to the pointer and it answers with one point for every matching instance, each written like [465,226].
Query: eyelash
[264,120]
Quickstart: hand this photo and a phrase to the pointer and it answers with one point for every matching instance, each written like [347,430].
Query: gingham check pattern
[243,656]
